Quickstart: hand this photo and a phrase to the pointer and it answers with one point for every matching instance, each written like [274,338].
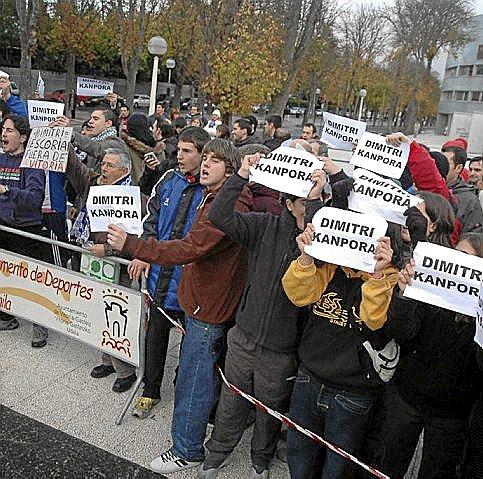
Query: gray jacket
[468,208]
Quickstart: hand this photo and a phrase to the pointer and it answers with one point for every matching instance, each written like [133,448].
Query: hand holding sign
[405,276]
[116,237]
[247,162]
[61,121]
[383,253]
[397,139]
[305,239]
[319,179]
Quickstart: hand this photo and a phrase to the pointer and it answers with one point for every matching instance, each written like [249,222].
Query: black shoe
[123,384]
[8,324]
[102,371]
[39,344]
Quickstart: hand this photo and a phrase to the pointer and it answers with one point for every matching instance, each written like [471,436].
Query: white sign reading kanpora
[92,87]
[287,170]
[374,194]
[341,132]
[374,154]
[346,238]
[41,113]
[446,277]
[47,149]
[115,204]
[101,315]
[479,319]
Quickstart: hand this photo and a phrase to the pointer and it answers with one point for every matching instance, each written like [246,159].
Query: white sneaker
[170,462]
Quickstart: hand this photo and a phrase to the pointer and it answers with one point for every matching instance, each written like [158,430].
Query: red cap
[459,142]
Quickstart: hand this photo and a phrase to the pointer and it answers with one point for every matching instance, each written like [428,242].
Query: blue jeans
[196,387]
[338,416]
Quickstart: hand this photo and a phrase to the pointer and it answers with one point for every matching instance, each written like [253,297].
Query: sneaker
[170,462]
[123,384]
[39,336]
[258,472]
[8,324]
[212,472]
[143,406]
[102,371]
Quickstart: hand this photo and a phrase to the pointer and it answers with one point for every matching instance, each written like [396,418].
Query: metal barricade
[29,282]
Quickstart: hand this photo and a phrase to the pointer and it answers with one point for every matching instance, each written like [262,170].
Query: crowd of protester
[226,259]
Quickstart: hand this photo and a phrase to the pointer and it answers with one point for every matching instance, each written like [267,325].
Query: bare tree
[27,11]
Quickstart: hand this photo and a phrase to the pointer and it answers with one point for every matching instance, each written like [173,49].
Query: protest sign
[374,154]
[287,170]
[47,149]
[346,238]
[479,319]
[40,87]
[446,277]
[341,132]
[41,113]
[115,204]
[92,87]
[104,316]
[377,195]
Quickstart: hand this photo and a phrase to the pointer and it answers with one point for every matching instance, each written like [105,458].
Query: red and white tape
[284,419]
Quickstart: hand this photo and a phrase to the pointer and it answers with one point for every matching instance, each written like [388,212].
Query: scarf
[107,133]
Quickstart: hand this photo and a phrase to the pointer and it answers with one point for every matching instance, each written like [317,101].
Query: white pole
[169,76]
[154,84]
[360,108]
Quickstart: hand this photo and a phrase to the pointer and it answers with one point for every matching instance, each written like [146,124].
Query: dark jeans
[401,426]
[57,229]
[157,341]
[338,416]
[474,452]
[263,374]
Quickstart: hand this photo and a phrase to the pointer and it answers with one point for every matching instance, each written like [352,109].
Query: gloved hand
[417,225]
[385,360]
[340,193]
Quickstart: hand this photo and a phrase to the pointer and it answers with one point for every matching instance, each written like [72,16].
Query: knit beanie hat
[459,142]
[441,162]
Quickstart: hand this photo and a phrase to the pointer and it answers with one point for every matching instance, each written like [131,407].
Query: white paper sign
[346,238]
[341,132]
[104,316]
[115,204]
[40,87]
[287,170]
[374,154]
[41,113]
[92,87]
[47,149]
[446,277]
[374,194]
[479,319]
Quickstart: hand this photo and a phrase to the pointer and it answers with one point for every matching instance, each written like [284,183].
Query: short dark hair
[474,239]
[460,156]
[179,122]
[195,135]
[311,125]
[109,115]
[275,120]
[475,159]
[20,123]
[227,151]
[244,124]
[253,148]
[224,131]
[254,122]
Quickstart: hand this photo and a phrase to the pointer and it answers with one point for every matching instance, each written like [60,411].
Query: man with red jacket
[211,285]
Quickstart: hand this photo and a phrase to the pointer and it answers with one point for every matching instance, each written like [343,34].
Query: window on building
[479,70]
[479,55]
[461,95]
[447,96]
[476,96]
[451,72]
[466,70]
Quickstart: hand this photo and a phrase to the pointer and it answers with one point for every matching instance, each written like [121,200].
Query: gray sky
[478,4]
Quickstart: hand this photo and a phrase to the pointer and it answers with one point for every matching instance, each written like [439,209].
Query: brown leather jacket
[215,268]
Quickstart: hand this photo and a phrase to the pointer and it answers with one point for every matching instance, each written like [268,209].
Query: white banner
[446,278]
[341,132]
[287,170]
[115,204]
[41,113]
[47,149]
[346,238]
[374,154]
[92,87]
[40,87]
[104,316]
[374,194]
[479,319]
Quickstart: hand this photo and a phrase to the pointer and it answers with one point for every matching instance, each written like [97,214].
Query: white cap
[4,74]
[216,112]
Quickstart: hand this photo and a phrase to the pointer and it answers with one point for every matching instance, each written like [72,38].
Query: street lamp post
[157,46]
[362,94]
[170,64]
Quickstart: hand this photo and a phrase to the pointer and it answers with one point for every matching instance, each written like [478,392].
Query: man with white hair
[14,102]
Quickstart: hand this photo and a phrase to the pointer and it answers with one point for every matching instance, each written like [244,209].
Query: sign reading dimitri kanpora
[341,132]
[116,204]
[374,194]
[446,277]
[374,154]
[346,238]
[93,87]
[47,149]
[41,113]
[287,170]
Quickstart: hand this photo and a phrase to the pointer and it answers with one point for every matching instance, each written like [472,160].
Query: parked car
[95,100]
[297,111]
[140,100]
[59,96]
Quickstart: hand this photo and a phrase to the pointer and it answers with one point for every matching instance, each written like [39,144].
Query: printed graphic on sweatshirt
[9,174]
[329,306]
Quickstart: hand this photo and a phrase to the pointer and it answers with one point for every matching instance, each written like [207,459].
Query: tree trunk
[410,117]
[25,72]
[131,86]
[70,79]
[281,99]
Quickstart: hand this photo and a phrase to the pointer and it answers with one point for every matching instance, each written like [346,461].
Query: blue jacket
[171,212]
[22,205]
[17,105]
